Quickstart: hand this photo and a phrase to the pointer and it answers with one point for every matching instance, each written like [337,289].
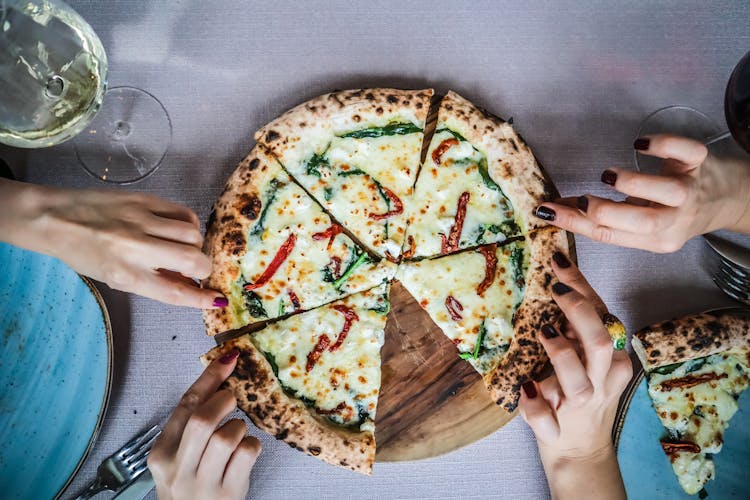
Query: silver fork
[124,465]
[732,275]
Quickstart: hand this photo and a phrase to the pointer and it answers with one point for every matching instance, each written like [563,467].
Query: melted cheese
[343,385]
[699,414]
[430,282]
[302,274]
[391,160]
[436,195]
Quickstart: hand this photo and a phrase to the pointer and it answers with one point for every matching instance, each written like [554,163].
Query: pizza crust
[510,162]
[260,395]
[526,357]
[693,336]
[233,215]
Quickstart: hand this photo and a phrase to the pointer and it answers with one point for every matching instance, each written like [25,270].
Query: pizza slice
[312,380]
[696,367]
[491,302]
[275,251]
[357,152]
[479,184]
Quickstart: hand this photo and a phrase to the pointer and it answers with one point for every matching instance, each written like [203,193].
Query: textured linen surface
[577,77]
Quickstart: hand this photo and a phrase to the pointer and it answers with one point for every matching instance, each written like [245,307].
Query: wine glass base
[677,120]
[128,139]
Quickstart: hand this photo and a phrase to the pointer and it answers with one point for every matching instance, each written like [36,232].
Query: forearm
[23,209]
[595,478]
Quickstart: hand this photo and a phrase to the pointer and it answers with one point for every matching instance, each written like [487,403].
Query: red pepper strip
[490,267]
[453,306]
[444,146]
[391,258]
[450,244]
[341,406]
[295,300]
[398,207]
[329,233]
[349,317]
[284,251]
[670,447]
[335,267]
[690,381]
[408,254]
[314,355]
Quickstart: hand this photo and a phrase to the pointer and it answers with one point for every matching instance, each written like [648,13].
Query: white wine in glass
[53,79]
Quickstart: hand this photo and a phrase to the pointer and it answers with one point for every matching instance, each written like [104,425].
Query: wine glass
[689,122]
[53,76]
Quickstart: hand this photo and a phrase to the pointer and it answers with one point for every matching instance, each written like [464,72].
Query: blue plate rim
[108,384]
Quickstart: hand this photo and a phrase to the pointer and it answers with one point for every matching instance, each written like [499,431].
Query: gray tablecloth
[577,77]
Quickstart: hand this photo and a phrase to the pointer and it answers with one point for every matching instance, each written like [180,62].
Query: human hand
[696,193]
[194,459]
[133,242]
[572,411]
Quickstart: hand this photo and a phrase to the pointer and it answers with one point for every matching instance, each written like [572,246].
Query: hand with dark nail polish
[572,411]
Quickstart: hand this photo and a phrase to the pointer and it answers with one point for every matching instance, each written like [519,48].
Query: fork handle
[94,487]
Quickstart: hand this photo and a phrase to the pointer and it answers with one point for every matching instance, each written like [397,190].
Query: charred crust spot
[211,219]
[253,164]
[680,349]
[369,96]
[525,342]
[272,135]
[252,397]
[715,327]
[356,118]
[513,143]
[314,450]
[344,463]
[227,218]
[655,353]
[668,326]
[532,236]
[392,99]
[293,444]
[283,434]
[419,105]
[251,208]
[448,107]
[379,110]
[547,279]
[234,242]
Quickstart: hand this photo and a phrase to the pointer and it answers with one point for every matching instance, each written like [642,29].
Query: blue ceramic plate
[55,372]
[646,469]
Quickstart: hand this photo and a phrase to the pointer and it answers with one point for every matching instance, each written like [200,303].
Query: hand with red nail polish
[133,242]
[572,412]
[195,457]
[695,193]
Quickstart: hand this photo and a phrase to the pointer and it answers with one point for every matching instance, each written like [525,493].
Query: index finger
[687,154]
[568,273]
[198,393]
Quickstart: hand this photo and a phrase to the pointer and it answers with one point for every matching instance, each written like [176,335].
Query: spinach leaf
[272,361]
[667,369]
[253,303]
[516,260]
[694,364]
[327,193]
[390,129]
[508,228]
[358,171]
[354,171]
[485,173]
[383,308]
[270,196]
[281,308]
[451,132]
[361,259]
[477,346]
[312,166]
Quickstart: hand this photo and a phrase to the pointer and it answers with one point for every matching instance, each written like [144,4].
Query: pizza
[696,367]
[479,184]
[357,152]
[316,378]
[276,252]
[323,214]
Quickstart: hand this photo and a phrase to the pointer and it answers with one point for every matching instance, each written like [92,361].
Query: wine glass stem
[718,137]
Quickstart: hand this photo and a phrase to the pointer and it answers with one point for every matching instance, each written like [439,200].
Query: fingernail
[561,288]
[549,331]
[582,203]
[545,213]
[561,260]
[529,389]
[229,357]
[609,177]
[221,302]
[641,144]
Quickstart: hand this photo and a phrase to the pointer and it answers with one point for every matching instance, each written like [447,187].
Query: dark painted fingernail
[582,203]
[609,177]
[561,288]
[641,144]
[529,389]
[549,331]
[229,357]
[561,260]
[545,213]
[221,302]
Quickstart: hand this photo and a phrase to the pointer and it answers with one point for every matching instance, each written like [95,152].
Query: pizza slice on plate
[276,252]
[312,380]
[491,302]
[696,368]
[479,183]
[357,152]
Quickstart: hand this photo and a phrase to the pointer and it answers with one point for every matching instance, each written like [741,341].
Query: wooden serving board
[431,401]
